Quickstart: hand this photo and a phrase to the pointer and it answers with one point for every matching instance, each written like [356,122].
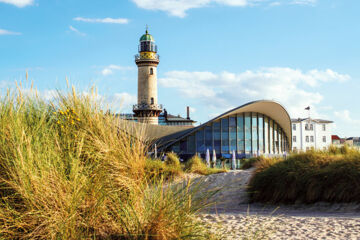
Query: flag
[307,108]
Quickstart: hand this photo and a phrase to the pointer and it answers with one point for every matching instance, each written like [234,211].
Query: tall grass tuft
[69,171]
[330,176]
[196,165]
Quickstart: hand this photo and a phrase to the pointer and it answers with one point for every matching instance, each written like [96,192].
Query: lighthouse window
[151,71]
[152,100]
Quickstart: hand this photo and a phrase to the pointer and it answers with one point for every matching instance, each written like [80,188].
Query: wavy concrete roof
[272,109]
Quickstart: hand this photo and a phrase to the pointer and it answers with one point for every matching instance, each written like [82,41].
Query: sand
[233,218]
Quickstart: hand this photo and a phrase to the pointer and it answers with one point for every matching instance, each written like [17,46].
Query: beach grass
[328,176]
[197,165]
[70,171]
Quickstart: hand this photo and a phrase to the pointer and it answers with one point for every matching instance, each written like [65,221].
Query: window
[311,127]
[307,139]
[261,133]
[225,135]
[152,100]
[294,127]
[247,132]
[200,143]
[151,71]
[306,126]
[324,139]
[208,138]
[254,133]
[240,133]
[294,138]
[232,130]
[311,138]
[324,127]
[217,136]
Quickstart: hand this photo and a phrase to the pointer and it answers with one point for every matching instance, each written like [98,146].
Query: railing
[138,57]
[145,106]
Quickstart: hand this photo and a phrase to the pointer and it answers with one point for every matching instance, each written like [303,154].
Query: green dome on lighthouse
[147,37]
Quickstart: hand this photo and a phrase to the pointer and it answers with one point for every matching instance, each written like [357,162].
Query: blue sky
[215,54]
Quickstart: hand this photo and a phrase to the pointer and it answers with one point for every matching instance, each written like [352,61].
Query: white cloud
[123,101]
[111,68]
[226,90]
[77,31]
[345,116]
[178,8]
[18,3]
[304,2]
[103,20]
[6,32]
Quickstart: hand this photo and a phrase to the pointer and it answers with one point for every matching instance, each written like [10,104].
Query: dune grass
[330,176]
[68,171]
[196,165]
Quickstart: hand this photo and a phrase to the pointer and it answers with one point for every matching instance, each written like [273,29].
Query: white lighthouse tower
[147,109]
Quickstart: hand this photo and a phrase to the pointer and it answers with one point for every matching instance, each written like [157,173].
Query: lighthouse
[147,109]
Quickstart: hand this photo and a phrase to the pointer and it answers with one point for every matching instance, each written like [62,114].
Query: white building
[308,133]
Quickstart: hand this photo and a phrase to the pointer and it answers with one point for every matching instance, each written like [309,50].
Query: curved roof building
[255,128]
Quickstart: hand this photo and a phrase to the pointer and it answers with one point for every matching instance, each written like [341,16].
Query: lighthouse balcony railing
[145,106]
[138,57]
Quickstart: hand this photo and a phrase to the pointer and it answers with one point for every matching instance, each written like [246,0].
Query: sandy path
[234,219]
[242,226]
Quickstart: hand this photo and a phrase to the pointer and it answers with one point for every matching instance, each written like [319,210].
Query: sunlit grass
[331,176]
[69,171]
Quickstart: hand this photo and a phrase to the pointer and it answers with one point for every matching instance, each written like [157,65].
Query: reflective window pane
[261,133]
[254,133]
[266,134]
[200,144]
[247,133]
[217,136]
[240,133]
[232,130]
[191,144]
[225,135]
[208,138]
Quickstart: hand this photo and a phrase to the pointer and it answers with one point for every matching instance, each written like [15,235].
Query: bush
[156,169]
[172,159]
[309,177]
[196,165]
[68,171]
[247,163]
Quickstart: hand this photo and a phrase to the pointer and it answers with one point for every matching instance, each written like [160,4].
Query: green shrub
[196,165]
[309,177]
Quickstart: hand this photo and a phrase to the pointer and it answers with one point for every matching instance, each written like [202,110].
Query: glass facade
[245,133]
[225,135]
[254,133]
[217,136]
[232,132]
[261,133]
[247,129]
[240,134]
[266,134]
[200,143]
[208,138]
